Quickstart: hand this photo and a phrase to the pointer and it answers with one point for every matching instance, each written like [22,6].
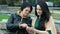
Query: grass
[56,16]
[3,16]
[58,32]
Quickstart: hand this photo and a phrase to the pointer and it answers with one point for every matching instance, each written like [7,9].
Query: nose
[27,12]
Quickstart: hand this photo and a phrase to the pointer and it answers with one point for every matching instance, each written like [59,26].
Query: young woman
[18,22]
[43,22]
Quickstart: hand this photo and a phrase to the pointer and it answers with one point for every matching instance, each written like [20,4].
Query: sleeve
[10,24]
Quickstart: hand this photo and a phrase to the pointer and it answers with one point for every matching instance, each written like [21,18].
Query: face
[39,11]
[26,11]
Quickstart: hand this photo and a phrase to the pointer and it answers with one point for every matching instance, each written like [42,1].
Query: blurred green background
[8,7]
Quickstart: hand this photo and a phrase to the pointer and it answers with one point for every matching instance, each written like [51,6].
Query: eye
[26,10]
[39,9]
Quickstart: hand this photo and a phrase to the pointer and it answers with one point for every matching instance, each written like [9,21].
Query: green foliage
[53,0]
[3,16]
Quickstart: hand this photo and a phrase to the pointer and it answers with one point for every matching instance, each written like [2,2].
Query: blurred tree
[32,2]
[49,0]
[3,2]
[56,1]
[53,0]
[14,2]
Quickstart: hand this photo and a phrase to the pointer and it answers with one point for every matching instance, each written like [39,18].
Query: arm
[40,32]
[10,24]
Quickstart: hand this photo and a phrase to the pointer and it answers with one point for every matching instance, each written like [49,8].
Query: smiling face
[26,11]
[39,10]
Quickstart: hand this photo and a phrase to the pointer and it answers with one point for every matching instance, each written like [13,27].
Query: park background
[8,7]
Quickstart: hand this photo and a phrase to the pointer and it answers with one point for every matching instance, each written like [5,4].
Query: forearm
[40,32]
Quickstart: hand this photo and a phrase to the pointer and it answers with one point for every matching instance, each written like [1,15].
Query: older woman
[18,22]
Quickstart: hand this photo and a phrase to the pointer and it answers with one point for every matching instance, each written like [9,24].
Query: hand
[30,30]
[23,25]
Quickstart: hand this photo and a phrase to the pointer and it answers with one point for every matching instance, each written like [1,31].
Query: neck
[39,16]
[21,14]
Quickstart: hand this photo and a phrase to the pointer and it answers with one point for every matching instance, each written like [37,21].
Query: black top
[13,24]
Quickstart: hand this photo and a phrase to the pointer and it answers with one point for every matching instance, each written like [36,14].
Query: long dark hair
[45,14]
